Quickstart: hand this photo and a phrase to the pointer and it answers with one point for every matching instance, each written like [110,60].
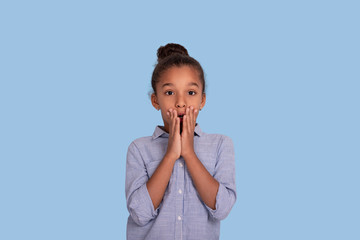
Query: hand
[174,142]
[188,128]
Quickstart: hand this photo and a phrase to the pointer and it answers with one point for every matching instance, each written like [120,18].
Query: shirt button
[179,218]
[180,191]
[181,165]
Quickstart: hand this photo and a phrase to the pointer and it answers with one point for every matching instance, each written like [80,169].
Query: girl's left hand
[188,128]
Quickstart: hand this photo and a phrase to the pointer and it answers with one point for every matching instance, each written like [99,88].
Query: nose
[180,103]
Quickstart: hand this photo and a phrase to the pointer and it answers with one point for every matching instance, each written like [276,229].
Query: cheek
[164,115]
[197,104]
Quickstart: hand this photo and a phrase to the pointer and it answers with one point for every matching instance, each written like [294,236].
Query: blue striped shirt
[182,214]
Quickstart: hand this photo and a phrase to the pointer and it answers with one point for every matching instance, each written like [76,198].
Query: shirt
[181,214]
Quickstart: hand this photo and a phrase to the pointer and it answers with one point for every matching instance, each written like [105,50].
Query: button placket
[179,197]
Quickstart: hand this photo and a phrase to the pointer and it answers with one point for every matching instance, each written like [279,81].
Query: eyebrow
[193,84]
[167,84]
[170,84]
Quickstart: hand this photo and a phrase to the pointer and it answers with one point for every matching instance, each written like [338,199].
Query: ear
[154,101]
[203,100]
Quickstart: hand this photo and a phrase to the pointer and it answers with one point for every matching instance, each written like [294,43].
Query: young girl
[180,182]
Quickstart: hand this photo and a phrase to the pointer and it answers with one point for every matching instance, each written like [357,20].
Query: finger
[188,117]
[177,125]
[196,112]
[184,124]
[191,120]
[189,123]
[171,122]
[174,116]
[168,113]
[192,117]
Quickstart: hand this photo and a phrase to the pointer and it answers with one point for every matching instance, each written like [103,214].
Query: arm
[159,180]
[224,173]
[218,192]
[138,201]
[205,184]
[144,195]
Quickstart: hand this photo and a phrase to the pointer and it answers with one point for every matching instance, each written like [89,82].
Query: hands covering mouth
[181,116]
[189,115]
[181,132]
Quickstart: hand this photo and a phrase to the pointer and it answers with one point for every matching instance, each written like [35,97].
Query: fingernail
[195,111]
[191,107]
[168,113]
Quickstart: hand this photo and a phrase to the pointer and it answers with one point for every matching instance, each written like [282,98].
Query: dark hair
[171,55]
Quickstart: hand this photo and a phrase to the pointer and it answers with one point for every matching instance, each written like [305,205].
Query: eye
[169,93]
[192,93]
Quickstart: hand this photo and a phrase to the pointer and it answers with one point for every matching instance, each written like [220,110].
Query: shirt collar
[159,132]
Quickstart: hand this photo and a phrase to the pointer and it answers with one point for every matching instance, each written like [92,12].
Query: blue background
[283,83]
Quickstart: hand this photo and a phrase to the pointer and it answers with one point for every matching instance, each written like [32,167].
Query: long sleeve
[138,200]
[225,174]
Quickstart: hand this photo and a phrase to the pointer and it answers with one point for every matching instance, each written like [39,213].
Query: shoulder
[216,137]
[140,142]
[216,143]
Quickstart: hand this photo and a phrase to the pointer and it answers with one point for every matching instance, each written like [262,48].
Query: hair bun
[170,49]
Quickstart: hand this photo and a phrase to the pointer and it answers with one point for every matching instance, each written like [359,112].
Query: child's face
[178,89]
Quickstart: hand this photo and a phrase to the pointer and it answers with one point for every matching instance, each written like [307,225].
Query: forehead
[179,77]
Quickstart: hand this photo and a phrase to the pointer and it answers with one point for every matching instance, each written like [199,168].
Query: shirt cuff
[141,207]
[222,204]
[148,202]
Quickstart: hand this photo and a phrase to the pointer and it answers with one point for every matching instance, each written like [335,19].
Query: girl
[180,182]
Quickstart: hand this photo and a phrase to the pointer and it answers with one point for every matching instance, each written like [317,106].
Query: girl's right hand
[174,144]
